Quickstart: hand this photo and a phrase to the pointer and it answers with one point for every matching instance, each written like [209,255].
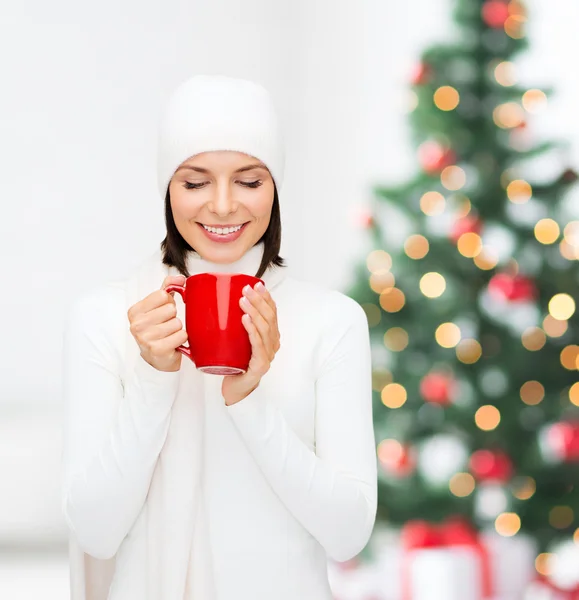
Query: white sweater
[289,472]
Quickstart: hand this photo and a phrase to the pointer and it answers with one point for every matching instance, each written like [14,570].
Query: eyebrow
[207,171]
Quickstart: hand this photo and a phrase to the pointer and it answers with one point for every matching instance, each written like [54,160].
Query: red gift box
[455,534]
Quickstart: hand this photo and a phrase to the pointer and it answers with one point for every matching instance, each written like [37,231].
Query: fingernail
[260,287]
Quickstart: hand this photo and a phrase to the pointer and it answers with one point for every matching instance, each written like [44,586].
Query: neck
[248,264]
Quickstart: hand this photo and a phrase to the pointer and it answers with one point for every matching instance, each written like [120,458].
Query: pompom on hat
[216,112]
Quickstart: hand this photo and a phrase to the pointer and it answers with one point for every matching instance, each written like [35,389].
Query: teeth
[223,230]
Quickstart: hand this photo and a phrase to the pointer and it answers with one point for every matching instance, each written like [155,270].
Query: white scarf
[174,511]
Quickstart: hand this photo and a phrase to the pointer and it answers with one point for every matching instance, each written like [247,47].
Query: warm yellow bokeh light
[392,300]
[446,98]
[532,392]
[416,246]
[487,259]
[505,73]
[507,524]
[547,231]
[574,394]
[469,244]
[373,314]
[432,285]
[561,517]
[468,351]
[447,335]
[453,178]
[464,206]
[519,191]
[380,378]
[461,484]
[432,203]
[514,27]
[533,338]
[382,281]
[524,487]
[534,100]
[487,417]
[562,307]
[508,115]
[543,563]
[393,395]
[378,261]
[553,327]
[396,339]
[569,356]
[576,536]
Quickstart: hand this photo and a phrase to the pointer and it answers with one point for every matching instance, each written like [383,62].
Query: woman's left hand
[260,321]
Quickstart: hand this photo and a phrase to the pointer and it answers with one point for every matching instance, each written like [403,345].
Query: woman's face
[221,189]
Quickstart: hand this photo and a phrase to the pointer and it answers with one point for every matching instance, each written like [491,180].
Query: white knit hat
[216,112]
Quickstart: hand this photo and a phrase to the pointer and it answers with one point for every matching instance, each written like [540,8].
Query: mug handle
[180,290]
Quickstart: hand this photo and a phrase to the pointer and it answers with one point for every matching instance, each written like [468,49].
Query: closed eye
[250,184]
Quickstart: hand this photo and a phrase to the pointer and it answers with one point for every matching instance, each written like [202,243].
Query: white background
[82,85]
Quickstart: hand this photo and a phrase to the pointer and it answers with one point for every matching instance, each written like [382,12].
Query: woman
[183,485]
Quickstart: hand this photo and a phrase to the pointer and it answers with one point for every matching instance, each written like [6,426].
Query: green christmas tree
[470,293]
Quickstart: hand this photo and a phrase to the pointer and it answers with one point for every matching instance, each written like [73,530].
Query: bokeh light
[468,351]
[543,563]
[532,392]
[514,27]
[382,281]
[553,327]
[487,259]
[561,307]
[524,487]
[569,356]
[508,115]
[416,246]
[507,524]
[396,339]
[447,335]
[446,98]
[519,191]
[392,300]
[469,244]
[461,484]
[453,178]
[432,285]
[547,231]
[561,517]
[393,395]
[534,100]
[574,394]
[487,417]
[505,73]
[378,260]
[432,203]
[373,314]
[533,338]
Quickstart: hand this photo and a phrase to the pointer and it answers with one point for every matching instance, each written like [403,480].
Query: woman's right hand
[156,328]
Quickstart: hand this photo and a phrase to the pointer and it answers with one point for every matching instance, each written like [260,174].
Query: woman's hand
[157,329]
[260,321]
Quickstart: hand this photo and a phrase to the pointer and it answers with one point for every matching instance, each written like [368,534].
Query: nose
[223,203]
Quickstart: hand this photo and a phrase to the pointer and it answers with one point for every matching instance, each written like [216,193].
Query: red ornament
[512,288]
[434,157]
[495,13]
[563,438]
[396,459]
[491,466]
[421,74]
[437,388]
[468,224]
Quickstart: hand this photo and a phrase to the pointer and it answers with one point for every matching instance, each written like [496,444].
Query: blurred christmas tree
[470,297]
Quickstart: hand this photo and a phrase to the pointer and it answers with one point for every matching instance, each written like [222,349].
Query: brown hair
[174,247]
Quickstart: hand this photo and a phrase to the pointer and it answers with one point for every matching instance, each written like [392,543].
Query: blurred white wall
[82,86]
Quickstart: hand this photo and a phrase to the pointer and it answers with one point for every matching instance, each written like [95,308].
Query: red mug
[218,341]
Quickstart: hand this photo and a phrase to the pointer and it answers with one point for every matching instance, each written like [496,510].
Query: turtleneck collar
[247,264]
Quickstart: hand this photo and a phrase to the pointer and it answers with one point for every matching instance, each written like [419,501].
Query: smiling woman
[183,485]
